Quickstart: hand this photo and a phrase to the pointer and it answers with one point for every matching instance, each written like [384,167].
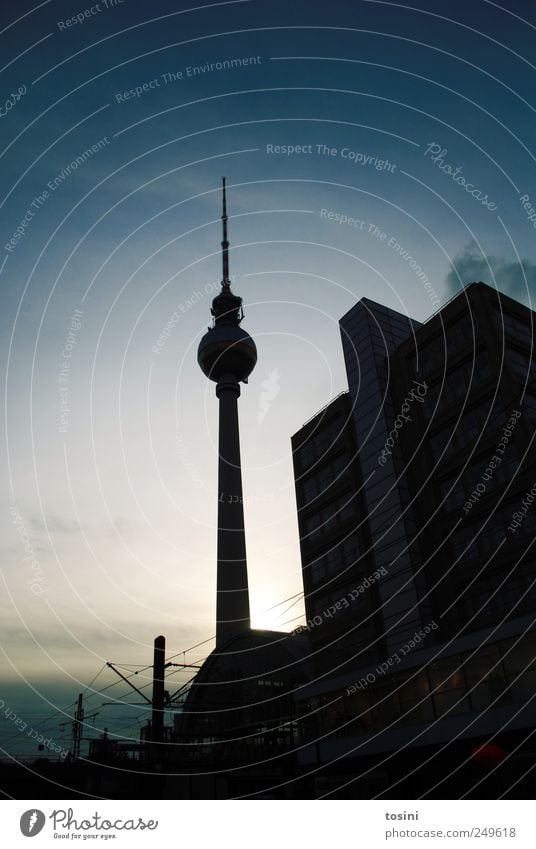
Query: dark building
[470,459]
[357,499]
[239,732]
[436,433]
[335,541]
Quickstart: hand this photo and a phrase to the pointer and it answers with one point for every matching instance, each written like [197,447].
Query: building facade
[335,542]
[437,429]
[470,458]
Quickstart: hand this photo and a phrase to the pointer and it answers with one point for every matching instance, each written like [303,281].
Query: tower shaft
[232,599]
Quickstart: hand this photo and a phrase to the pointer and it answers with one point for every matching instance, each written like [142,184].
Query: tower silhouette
[227,355]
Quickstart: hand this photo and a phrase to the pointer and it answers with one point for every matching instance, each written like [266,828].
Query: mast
[225,242]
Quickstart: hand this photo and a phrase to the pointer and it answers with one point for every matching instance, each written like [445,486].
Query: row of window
[515,326]
[461,433]
[490,599]
[465,543]
[521,364]
[459,336]
[458,383]
[335,514]
[466,378]
[463,334]
[500,674]
[320,443]
[474,371]
[334,561]
[455,437]
[529,405]
[473,477]
[318,483]
[327,600]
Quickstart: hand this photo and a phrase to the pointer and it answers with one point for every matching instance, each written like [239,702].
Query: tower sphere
[227,349]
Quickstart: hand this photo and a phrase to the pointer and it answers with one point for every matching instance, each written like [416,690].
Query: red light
[488,755]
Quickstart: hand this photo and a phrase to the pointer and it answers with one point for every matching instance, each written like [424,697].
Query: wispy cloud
[513,278]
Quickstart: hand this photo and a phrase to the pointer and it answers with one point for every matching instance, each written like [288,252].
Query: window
[432,353]
[469,375]
[410,694]
[520,667]
[447,674]
[312,528]
[337,560]
[336,513]
[521,364]
[462,545]
[386,707]
[516,327]
[529,406]
[357,709]
[461,334]
[507,470]
[461,433]
[449,684]
[321,442]
[452,703]
[326,566]
[489,673]
[485,677]
[317,570]
[306,454]
[430,399]
[491,538]
[351,550]
[333,561]
[455,498]
[310,488]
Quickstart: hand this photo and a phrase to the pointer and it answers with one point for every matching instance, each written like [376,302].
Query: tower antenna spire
[225,243]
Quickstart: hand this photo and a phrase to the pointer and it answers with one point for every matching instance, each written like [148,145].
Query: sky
[368,147]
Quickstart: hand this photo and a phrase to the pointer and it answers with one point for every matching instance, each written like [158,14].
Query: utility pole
[77,728]
[159,666]
[159,696]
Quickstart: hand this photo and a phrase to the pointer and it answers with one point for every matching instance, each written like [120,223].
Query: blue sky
[379,103]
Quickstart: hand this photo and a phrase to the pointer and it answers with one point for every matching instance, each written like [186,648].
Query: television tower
[227,355]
